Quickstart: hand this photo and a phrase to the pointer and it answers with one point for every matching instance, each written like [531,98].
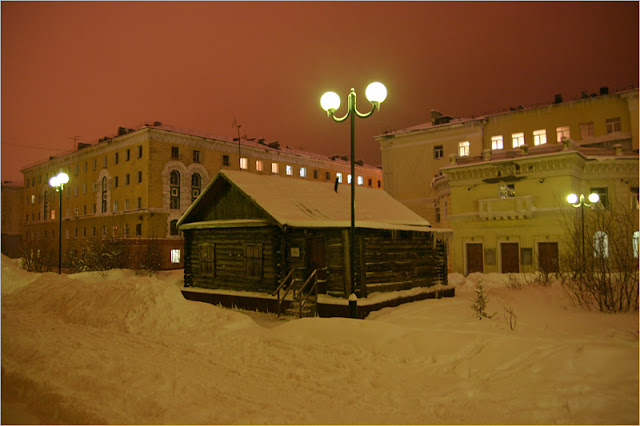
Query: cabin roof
[303,203]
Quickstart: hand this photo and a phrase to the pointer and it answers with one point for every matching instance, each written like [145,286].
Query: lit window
[349,179]
[613,125]
[517,139]
[497,142]
[539,137]
[563,133]
[53,214]
[259,165]
[463,149]
[289,170]
[175,255]
[600,244]
[507,190]
[275,169]
[244,163]
[360,180]
[339,176]
[636,243]
[33,199]
[303,172]
[586,130]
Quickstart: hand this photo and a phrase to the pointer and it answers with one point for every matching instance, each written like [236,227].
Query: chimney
[604,91]
[435,115]
[558,99]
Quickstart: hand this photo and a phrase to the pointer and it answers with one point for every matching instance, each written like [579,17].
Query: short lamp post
[58,182]
[376,93]
[581,202]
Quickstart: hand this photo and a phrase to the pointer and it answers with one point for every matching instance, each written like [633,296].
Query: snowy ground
[124,349]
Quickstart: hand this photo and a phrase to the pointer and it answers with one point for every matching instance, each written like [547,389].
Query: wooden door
[474,258]
[315,259]
[510,257]
[548,257]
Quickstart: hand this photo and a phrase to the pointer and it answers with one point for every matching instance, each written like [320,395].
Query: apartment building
[12,219]
[501,177]
[135,186]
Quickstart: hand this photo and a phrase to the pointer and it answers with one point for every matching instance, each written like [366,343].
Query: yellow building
[502,178]
[136,186]
[11,219]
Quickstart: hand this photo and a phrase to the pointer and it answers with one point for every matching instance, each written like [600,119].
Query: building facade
[12,218]
[501,176]
[135,186]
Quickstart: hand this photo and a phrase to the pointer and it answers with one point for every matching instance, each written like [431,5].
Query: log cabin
[260,235]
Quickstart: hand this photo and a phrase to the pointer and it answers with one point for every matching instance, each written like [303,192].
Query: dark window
[603,193]
[115,182]
[327,175]
[175,152]
[116,158]
[139,177]
[127,179]
[370,182]
[207,258]
[196,156]
[173,228]
[140,151]
[196,183]
[253,260]
[379,184]
[225,160]
[438,152]
[127,156]
[613,125]
[104,195]
[174,200]
[138,229]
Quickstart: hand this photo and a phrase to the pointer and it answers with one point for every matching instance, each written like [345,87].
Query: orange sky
[84,68]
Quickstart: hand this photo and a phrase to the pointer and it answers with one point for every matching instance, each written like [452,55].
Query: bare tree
[603,275]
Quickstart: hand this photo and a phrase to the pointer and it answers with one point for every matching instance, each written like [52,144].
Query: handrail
[284,281]
[313,288]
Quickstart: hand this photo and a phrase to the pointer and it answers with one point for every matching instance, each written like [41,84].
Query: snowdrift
[131,350]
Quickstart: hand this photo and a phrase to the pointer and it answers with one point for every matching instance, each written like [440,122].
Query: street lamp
[58,182]
[576,202]
[376,93]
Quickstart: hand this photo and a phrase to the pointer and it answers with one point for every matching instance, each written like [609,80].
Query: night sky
[80,70]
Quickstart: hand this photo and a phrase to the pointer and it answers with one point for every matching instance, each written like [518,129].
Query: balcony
[506,208]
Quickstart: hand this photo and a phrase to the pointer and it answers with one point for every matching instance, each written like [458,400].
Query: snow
[304,203]
[124,349]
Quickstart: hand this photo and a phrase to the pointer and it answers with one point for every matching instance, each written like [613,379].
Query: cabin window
[253,260]
[259,165]
[244,163]
[175,255]
[275,168]
[207,258]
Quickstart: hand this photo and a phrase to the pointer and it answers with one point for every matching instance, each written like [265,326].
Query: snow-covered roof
[303,203]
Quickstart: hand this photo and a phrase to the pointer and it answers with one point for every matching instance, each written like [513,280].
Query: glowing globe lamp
[572,198]
[594,198]
[330,101]
[376,92]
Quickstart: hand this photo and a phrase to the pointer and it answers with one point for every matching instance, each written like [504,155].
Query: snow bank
[132,350]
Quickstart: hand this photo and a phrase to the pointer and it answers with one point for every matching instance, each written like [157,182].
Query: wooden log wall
[395,260]
[230,269]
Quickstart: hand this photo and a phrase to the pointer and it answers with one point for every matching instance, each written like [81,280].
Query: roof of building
[301,203]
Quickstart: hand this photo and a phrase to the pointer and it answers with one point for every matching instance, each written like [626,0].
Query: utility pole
[75,142]
[235,124]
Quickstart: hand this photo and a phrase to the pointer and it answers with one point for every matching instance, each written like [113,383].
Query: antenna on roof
[236,124]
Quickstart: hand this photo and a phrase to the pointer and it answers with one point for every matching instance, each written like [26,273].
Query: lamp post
[376,93]
[581,202]
[58,182]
